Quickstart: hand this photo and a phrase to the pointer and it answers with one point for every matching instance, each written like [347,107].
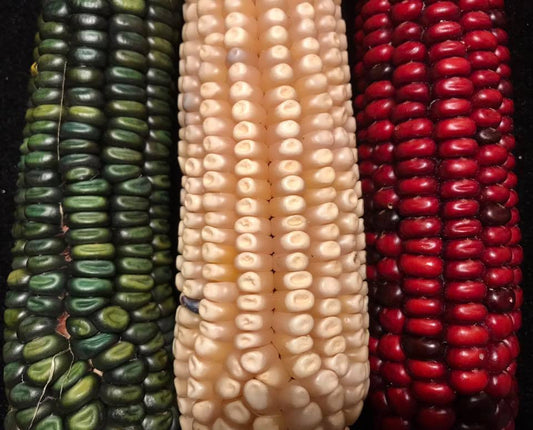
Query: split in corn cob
[87,324]
[272,330]
[435,142]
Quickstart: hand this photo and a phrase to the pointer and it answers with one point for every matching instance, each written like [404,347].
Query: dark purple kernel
[478,408]
[494,214]
[500,301]
[379,72]
[372,256]
[191,304]
[502,415]
[386,220]
[422,348]
[375,329]
[488,136]
[498,18]
[390,295]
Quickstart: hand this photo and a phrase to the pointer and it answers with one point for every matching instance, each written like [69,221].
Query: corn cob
[272,327]
[86,177]
[435,138]
[36,350]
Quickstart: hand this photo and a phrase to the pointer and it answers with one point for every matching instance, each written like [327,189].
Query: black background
[17,28]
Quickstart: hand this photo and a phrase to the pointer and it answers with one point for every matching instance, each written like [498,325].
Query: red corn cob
[435,139]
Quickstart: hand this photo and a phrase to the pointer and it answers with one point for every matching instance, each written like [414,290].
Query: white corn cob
[271,237]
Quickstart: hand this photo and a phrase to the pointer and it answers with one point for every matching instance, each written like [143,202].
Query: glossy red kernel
[476,20]
[422,287]
[495,193]
[415,167]
[423,147]
[385,198]
[389,244]
[375,38]
[401,402]
[499,357]
[379,90]
[396,374]
[455,128]
[513,344]
[500,326]
[374,7]
[414,91]
[420,266]
[417,186]
[452,66]
[468,383]
[451,108]
[460,208]
[466,358]
[388,269]
[463,249]
[433,392]
[392,320]
[467,336]
[466,313]
[463,269]
[409,51]
[496,236]
[467,5]
[492,155]
[511,180]
[420,227]
[448,48]
[423,307]
[406,11]
[377,55]
[409,72]
[426,246]
[384,176]
[413,129]
[500,385]
[497,277]
[408,110]
[480,40]
[406,31]
[389,348]
[441,11]
[491,175]
[380,131]
[383,153]
[426,369]
[419,206]
[465,291]
[480,60]
[444,30]
[463,188]
[379,109]
[485,78]
[458,148]
[507,108]
[454,87]
[424,327]
[485,117]
[462,228]
[455,169]
[375,22]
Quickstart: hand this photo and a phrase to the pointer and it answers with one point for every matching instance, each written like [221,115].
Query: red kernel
[465,336]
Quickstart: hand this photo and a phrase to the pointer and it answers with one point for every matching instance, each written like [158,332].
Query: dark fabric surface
[16,43]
